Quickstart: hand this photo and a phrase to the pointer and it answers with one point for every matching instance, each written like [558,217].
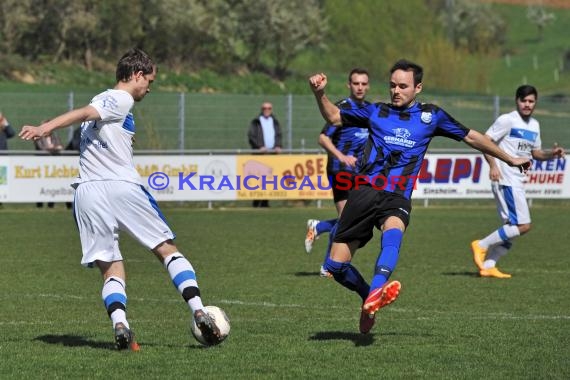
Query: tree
[539,17]
[16,19]
[472,25]
[274,32]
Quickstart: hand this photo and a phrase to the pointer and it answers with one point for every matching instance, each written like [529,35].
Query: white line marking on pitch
[423,314]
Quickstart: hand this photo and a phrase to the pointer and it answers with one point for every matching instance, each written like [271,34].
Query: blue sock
[348,276]
[388,257]
[325,225]
[331,238]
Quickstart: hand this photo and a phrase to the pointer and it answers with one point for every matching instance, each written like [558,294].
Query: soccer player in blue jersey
[400,132]
[109,197]
[517,133]
[344,147]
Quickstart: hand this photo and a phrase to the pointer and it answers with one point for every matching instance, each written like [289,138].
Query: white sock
[505,233]
[115,299]
[494,254]
[119,316]
[184,279]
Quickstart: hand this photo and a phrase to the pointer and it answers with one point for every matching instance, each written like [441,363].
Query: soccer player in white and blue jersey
[344,147]
[518,134]
[400,133]
[110,198]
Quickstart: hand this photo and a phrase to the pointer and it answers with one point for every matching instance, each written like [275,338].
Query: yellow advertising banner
[283,177]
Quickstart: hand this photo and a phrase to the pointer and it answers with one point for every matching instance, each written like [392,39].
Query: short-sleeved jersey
[350,140]
[106,151]
[518,138]
[398,141]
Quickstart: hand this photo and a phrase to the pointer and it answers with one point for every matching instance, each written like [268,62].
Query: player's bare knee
[524,228]
[164,249]
[111,269]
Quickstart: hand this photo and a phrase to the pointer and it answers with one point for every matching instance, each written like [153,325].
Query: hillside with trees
[264,46]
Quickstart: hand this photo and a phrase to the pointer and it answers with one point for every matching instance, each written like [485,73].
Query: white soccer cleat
[311,234]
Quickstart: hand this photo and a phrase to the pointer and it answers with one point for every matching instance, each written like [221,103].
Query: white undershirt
[268,131]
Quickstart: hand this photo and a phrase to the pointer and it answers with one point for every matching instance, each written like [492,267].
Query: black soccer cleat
[207,326]
[125,338]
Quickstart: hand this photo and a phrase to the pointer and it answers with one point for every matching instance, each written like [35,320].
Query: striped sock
[115,300]
[505,233]
[184,279]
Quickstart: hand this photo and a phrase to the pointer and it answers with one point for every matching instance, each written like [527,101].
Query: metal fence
[210,122]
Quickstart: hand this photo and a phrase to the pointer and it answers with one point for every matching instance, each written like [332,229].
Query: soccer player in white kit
[109,196]
[518,134]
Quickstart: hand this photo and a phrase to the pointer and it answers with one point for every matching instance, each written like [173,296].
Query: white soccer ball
[221,320]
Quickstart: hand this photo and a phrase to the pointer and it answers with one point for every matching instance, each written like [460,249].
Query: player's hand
[557,151]
[522,163]
[349,161]
[29,132]
[318,82]
[495,174]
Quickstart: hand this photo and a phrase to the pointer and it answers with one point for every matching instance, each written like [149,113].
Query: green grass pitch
[286,321]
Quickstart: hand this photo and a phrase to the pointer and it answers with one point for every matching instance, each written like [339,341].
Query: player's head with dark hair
[524,91]
[134,61]
[358,83]
[357,70]
[405,83]
[525,98]
[405,65]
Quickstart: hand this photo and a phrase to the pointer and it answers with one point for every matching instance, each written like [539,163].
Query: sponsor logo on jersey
[363,134]
[524,147]
[524,134]
[400,138]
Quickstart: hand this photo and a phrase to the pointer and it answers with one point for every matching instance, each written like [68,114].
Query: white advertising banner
[188,178]
[204,178]
[167,178]
[448,176]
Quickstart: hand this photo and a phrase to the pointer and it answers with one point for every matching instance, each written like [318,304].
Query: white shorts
[511,204]
[103,208]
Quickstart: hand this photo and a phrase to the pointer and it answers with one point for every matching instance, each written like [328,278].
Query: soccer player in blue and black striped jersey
[400,132]
[344,147]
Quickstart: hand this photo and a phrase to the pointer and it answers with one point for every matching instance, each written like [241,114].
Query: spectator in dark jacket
[264,131]
[264,135]
[6,132]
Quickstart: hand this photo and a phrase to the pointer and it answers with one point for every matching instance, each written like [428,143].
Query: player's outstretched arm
[483,144]
[543,155]
[29,132]
[329,111]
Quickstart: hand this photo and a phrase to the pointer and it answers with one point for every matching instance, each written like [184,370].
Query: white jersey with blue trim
[106,151]
[518,138]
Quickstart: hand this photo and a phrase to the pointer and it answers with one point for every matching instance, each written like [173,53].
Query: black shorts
[340,189]
[342,183]
[367,208]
